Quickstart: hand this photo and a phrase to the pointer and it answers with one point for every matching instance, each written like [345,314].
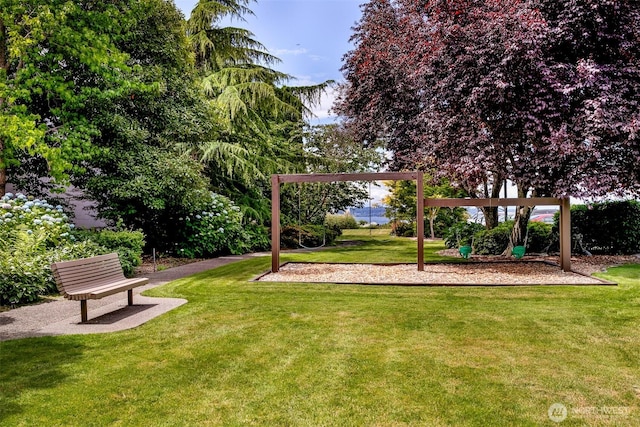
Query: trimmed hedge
[611,228]
[128,245]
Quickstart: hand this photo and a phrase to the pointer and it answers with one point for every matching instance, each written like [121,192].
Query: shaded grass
[245,353]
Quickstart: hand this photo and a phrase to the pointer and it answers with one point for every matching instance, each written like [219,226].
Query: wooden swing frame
[277,179]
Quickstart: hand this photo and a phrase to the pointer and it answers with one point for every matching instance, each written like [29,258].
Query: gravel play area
[481,273]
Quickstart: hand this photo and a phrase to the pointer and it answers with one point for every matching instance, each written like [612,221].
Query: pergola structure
[276,180]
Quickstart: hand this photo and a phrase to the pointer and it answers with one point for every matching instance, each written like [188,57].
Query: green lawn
[244,353]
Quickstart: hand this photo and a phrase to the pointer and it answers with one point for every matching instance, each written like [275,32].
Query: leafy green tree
[140,177]
[328,149]
[57,59]
[401,204]
[259,118]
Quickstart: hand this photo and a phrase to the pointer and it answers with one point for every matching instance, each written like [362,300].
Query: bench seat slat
[106,290]
[74,280]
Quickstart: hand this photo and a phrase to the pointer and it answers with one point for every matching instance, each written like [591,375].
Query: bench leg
[130,296]
[83,310]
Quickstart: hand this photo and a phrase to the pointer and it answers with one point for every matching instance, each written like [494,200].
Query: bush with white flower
[20,213]
[34,234]
[214,230]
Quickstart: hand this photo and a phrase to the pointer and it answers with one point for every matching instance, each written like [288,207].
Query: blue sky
[309,36]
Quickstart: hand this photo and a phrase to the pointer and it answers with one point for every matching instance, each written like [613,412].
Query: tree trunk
[433,233]
[433,214]
[491,213]
[490,216]
[521,222]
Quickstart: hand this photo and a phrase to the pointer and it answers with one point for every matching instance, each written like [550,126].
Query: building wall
[84,213]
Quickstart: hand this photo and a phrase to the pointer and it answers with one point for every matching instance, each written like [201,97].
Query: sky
[309,36]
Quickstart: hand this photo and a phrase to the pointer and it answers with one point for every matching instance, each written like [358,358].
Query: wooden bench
[93,278]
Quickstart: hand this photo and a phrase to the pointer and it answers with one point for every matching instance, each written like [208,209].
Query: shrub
[494,241]
[605,228]
[538,236]
[258,237]
[215,230]
[33,235]
[461,234]
[128,245]
[343,221]
[447,218]
[25,272]
[611,228]
[402,228]
[20,213]
[294,236]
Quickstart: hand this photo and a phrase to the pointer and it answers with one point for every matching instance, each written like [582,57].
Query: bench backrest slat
[74,276]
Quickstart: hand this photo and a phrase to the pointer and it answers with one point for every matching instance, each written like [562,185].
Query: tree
[328,149]
[539,92]
[138,176]
[401,203]
[259,117]
[56,57]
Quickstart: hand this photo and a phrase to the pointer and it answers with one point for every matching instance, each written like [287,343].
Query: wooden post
[130,296]
[275,223]
[83,310]
[420,219]
[565,234]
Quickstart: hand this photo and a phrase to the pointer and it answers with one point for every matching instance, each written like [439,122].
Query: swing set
[278,179]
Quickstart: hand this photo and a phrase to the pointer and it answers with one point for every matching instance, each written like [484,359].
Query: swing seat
[518,251]
[465,251]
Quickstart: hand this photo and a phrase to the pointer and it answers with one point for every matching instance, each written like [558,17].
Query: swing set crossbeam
[342,177]
[516,201]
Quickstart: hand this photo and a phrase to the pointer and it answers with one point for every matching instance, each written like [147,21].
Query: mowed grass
[275,354]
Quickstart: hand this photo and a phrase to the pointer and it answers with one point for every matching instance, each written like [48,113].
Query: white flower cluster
[21,212]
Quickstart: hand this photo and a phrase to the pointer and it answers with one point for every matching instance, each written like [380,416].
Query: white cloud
[322,111]
[285,52]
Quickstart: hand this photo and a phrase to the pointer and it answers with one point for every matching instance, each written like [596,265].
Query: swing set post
[275,223]
[420,220]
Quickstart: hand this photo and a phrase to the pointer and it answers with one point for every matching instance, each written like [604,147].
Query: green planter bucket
[465,251]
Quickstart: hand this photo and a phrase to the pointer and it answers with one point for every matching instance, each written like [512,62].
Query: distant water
[377,219]
[377,214]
